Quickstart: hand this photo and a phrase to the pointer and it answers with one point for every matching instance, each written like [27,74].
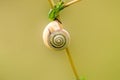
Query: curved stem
[51,3]
[67,50]
[72,64]
[71,2]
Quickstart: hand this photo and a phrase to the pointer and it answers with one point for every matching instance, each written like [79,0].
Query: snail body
[55,37]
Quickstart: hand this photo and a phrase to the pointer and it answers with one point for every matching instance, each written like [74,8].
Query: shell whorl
[59,40]
[56,37]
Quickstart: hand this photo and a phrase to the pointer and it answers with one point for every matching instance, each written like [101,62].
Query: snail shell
[55,37]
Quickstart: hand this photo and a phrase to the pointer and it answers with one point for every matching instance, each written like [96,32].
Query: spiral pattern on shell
[55,37]
[59,39]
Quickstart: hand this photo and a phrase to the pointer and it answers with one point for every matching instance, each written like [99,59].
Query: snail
[55,37]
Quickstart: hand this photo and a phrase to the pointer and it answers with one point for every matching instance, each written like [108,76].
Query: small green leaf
[53,13]
[82,78]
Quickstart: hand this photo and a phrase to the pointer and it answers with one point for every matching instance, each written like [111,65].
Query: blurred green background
[94,26]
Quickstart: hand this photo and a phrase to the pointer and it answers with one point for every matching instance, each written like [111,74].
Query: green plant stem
[51,3]
[72,64]
[67,50]
[70,3]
